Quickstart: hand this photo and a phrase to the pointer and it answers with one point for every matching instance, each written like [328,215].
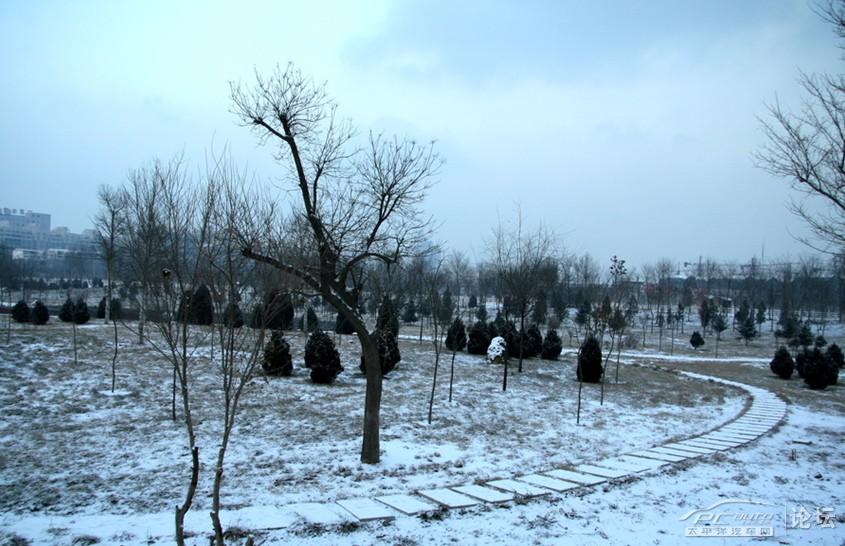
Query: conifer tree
[66,311]
[552,345]
[782,364]
[719,325]
[478,339]
[388,317]
[40,314]
[456,337]
[589,368]
[696,340]
[277,360]
[21,312]
[747,329]
[481,313]
[81,315]
[322,358]
[410,313]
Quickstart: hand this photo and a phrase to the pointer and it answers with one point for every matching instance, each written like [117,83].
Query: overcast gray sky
[627,127]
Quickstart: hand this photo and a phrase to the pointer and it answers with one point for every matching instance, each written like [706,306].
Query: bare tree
[433,281]
[459,270]
[109,224]
[144,232]
[240,348]
[9,276]
[353,206]
[176,216]
[526,262]
[808,147]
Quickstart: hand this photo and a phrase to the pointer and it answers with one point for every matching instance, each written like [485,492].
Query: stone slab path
[766,412]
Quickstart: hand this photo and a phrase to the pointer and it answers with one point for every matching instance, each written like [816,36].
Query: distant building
[19,219]
[28,236]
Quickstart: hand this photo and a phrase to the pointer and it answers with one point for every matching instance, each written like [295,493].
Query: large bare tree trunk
[370,446]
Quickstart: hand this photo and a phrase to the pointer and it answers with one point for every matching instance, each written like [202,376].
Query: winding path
[766,412]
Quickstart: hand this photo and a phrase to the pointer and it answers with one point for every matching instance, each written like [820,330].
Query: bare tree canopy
[527,264]
[353,204]
[808,148]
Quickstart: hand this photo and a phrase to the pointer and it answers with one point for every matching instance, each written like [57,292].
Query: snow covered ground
[80,464]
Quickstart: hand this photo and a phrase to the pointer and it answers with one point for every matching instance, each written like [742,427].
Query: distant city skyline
[628,128]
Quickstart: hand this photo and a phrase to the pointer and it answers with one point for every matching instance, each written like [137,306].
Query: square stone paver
[448,498]
[366,509]
[407,504]
[322,513]
[661,456]
[487,494]
[519,488]
[576,477]
[548,482]
[601,471]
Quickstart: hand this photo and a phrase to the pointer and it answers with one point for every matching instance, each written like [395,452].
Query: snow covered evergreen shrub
[277,360]
[478,339]
[782,364]
[40,314]
[696,340]
[456,337]
[552,345]
[589,368]
[497,351]
[322,358]
[20,312]
[388,352]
